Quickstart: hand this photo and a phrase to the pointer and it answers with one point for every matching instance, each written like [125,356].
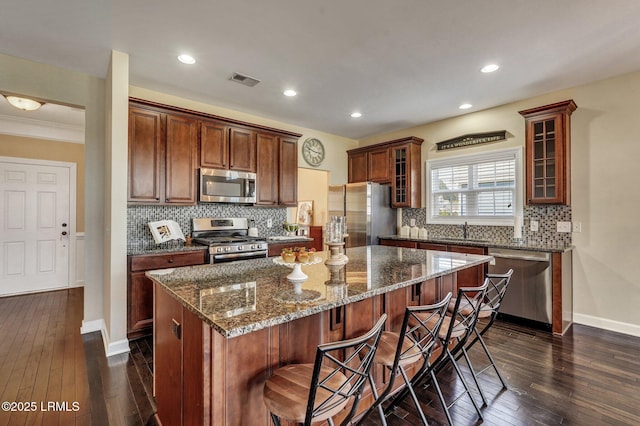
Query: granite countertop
[507,244]
[240,297]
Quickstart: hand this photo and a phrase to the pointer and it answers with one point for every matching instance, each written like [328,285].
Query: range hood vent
[244,79]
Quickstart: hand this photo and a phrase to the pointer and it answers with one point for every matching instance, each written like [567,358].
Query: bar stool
[497,288]
[454,334]
[416,341]
[305,393]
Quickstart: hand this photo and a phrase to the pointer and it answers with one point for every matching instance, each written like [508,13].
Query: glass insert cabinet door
[548,153]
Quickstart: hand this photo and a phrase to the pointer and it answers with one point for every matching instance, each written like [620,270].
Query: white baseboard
[110,348]
[91,326]
[607,324]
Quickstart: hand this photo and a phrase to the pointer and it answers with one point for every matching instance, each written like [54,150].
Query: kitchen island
[221,330]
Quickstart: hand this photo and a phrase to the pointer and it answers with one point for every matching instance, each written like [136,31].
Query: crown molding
[39,129]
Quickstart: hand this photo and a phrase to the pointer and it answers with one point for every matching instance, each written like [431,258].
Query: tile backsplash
[138,217]
[547,217]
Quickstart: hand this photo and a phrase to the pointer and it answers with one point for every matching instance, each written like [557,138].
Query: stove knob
[227,249]
[218,249]
[240,248]
[253,246]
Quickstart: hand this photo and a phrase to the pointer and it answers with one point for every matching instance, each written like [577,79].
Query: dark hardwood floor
[587,377]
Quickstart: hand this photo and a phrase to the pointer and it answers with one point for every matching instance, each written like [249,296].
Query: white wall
[67,87]
[605,151]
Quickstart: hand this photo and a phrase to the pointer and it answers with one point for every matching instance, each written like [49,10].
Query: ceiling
[401,63]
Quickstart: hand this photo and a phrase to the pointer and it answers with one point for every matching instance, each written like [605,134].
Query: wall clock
[313,151]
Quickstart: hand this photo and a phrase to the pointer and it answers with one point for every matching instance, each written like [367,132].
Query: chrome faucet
[465,230]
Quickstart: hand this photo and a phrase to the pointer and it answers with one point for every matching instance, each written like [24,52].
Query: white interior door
[34,216]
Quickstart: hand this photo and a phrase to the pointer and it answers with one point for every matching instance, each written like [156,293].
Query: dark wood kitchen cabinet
[227,147]
[163,151]
[397,162]
[277,170]
[214,145]
[146,154]
[548,153]
[469,277]
[378,165]
[242,149]
[140,288]
[167,145]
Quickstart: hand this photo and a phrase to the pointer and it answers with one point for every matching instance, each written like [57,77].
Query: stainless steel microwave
[226,186]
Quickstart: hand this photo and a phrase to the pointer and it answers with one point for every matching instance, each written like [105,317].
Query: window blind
[479,186]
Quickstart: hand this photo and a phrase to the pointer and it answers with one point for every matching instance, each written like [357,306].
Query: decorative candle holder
[336,256]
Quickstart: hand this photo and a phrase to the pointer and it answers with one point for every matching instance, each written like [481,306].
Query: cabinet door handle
[335,318]
[176,328]
[170,260]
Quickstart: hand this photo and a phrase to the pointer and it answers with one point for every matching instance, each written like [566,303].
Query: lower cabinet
[203,378]
[469,277]
[140,288]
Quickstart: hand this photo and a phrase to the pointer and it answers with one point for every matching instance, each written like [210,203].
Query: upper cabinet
[277,170]
[167,145]
[163,151]
[397,162]
[227,147]
[548,153]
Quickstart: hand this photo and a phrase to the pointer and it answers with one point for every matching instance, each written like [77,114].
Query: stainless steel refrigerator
[367,206]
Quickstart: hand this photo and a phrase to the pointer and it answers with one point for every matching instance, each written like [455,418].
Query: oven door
[226,186]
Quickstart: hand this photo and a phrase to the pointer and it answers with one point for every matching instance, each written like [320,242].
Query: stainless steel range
[228,239]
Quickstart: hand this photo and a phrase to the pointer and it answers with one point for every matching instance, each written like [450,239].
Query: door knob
[64,232]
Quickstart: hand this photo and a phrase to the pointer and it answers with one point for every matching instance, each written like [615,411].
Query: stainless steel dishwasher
[529,294]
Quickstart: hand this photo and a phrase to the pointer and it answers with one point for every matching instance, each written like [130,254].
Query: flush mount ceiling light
[490,68]
[465,106]
[290,92]
[356,114]
[187,59]
[24,104]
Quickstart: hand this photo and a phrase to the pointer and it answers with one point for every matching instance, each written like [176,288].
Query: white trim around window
[480,189]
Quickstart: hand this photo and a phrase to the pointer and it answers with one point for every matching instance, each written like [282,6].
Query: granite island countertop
[237,298]
[506,244]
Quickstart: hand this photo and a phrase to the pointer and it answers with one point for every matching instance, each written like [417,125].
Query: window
[483,189]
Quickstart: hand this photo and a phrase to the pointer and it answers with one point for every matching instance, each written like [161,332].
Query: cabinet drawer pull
[170,260]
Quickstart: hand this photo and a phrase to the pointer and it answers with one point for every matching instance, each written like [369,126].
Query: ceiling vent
[244,79]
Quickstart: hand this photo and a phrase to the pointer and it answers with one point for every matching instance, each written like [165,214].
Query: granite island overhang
[221,330]
[240,297]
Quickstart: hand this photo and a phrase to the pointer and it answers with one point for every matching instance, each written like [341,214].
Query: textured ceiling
[401,63]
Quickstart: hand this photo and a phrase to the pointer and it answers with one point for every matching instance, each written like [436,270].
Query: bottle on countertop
[404,231]
[414,231]
[422,233]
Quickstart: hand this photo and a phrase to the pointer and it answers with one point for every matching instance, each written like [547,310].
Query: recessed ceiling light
[465,106]
[187,59]
[290,92]
[356,114]
[490,68]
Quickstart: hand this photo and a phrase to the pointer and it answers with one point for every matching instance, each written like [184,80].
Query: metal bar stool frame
[358,356]
[459,327]
[417,339]
[497,288]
